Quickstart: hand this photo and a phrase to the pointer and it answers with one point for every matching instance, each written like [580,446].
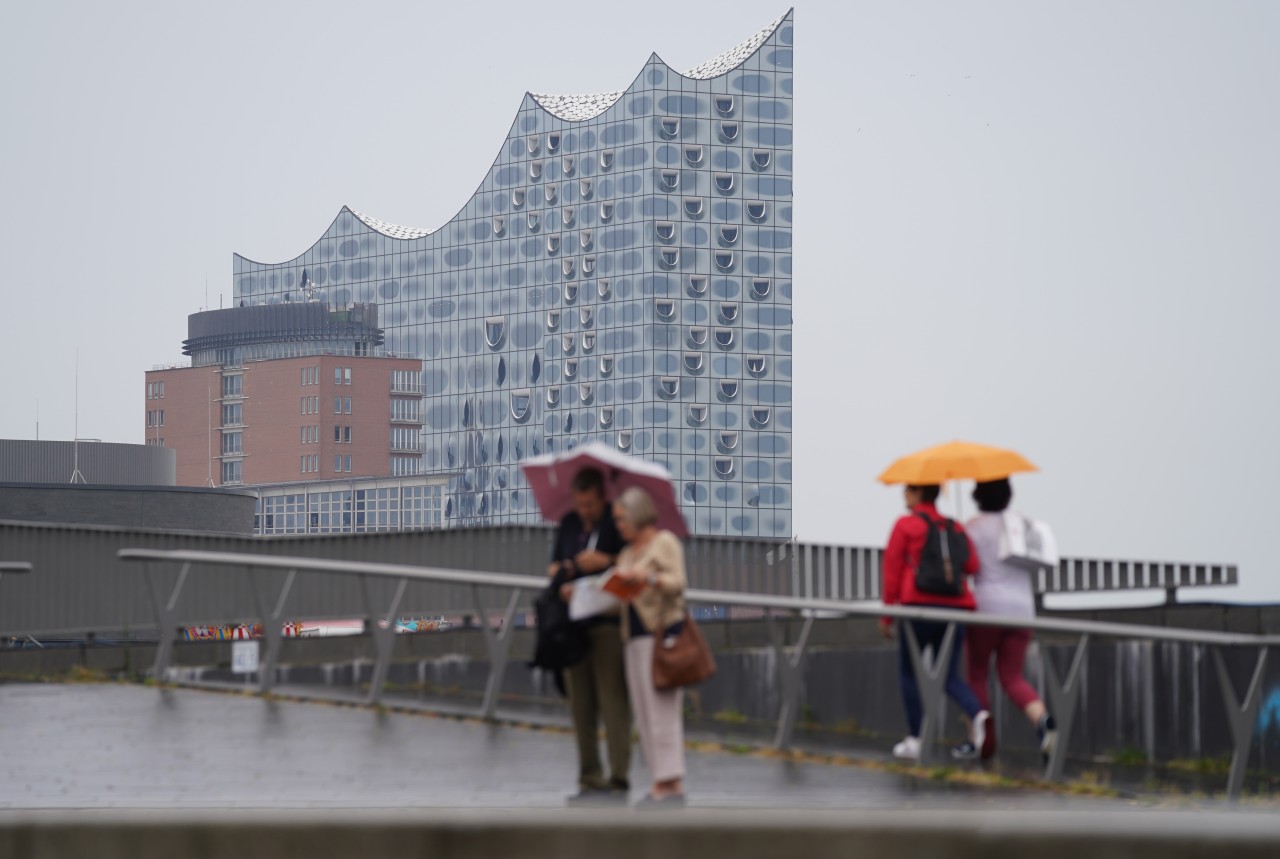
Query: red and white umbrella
[551,475]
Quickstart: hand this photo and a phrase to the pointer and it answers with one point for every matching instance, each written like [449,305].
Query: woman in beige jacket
[655,559]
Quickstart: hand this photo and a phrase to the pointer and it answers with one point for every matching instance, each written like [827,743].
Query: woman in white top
[1004,589]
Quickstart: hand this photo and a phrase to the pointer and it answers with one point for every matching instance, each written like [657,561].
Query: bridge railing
[378,591]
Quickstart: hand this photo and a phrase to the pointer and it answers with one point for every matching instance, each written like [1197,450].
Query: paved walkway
[120,746]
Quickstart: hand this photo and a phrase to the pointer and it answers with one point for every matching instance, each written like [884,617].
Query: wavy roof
[395,231]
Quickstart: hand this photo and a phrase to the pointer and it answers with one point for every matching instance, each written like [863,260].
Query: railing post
[931,680]
[384,637]
[1062,704]
[788,666]
[166,617]
[498,644]
[270,626]
[1242,718]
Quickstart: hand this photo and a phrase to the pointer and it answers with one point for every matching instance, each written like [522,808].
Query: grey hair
[637,506]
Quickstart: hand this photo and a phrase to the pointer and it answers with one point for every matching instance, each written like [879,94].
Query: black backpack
[561,643]
[940,568]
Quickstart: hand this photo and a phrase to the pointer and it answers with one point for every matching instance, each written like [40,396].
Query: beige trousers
[659,715]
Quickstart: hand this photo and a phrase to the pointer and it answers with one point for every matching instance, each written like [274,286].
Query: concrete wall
[161,508]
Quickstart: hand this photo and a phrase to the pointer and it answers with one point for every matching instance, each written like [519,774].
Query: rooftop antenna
[37,418]
[76,476]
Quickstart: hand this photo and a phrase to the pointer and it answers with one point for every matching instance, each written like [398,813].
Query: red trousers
[1010,649]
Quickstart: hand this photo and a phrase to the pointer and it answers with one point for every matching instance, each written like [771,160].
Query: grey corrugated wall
[30,461]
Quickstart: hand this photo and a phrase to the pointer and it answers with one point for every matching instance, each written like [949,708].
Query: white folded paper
[1028,543]
[589,599]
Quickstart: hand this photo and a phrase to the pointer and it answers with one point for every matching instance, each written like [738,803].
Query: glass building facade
[622,274]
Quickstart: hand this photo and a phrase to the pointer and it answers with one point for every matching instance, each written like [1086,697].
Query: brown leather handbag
[681,656]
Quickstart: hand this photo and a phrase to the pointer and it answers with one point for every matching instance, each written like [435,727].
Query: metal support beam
[383,631]
[1063,698]
[1242,718]
[498,645]
[270,625]
[931,680]
[166,616]
[788,665]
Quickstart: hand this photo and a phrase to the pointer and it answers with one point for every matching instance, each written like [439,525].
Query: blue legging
[929,633]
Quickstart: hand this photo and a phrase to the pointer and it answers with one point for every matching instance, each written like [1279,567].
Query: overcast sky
[1051,226]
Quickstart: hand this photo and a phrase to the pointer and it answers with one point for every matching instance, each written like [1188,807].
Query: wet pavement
[99,746]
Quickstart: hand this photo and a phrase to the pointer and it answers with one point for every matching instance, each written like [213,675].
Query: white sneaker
[908,749]
[984,735]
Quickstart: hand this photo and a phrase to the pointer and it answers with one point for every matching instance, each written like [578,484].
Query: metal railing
[930,668]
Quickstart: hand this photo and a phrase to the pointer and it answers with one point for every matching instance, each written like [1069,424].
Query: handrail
[930,668]
[15,567]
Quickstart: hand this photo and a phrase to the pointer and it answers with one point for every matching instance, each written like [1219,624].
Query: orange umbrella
[955,460]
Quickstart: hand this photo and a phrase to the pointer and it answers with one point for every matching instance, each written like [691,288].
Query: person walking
[1004,589]
[911,577]
[586,544]
[653,559]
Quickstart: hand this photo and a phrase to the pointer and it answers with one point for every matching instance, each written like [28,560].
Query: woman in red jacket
[901,560]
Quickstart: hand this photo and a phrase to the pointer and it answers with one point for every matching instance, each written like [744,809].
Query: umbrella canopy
[550,476]
[955,460]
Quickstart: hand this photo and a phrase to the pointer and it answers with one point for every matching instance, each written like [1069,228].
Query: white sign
[589,599]
[244,657]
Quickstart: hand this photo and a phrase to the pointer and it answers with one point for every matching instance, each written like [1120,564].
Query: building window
[606,159]
[624,439]
[729,130]
[693,154]
[337,375]
[337,433]
[670,179]
[665,308]
[724,104]
[346,463]
[567,214]
[232,443]
[337,405]
[550,192]
[724,260]
[232,414]
[553,244]
[665,230]
[517,197]
[606,365]
[693,206]
[670,125]
[535,169]
[520,404]
[585,316]
[232,472]
[602,287]
[669,386]
[760,158]
[155,442]
[693,362]
[494,328]
[567,164]
[305,433]
[553,320]
[588,341]
[346,375]
[233,386]
[553,396]
[724,338]
[584,188]
[346,405]
[729,234]
[570,293]
[760,287]
[760,416]
[606,211]
[698,413]
[404,439]
[724,466]
[405,410]
[589,261]
[729,388]
[756,210]
[697,284]
[757,365]
[337,463]
[553,141]
[670,257]
[724,182]
[697,335]
[729,439]
[566,265]
[606,416]
[728,310]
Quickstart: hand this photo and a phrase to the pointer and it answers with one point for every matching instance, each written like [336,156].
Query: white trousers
[659,715]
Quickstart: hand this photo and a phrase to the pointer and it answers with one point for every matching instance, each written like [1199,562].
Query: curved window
[606,211]
[531,143]
[553,141]
[606,416]
[693,154]
[698,413]
[553,396]
[724,466]
[520,403]
[729,439]
[724,104]
[499,224]
[760,287]
[757,209]
[567,163]
[724,338]
[567,215]
[566,265]
[729,234]
[729,388]
[698,336]
[553,244]
[724,182]
[602,287]
[584,392]
[568,427]
[502,372]
[494,328]
[693,206]
[665,308]
[728,310]
[670,125]
[729,130]
[670,179]
[693,362]
[584,189]
[584,238]
[606,159]
[535,169]
[757,365]
[588,341]
[553,321]
[533,220]
[760,158]
[535,369]
[624,439]
[724,260]
[588,263]
[606,365]
[517,197]
[570,368]
[669,386]
[760,416]
[567,342]
[570,293]
[670,257]
[585,316]
[665,230]
[549,191]
[698,284]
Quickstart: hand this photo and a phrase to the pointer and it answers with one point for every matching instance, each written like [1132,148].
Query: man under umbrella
[586,544]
